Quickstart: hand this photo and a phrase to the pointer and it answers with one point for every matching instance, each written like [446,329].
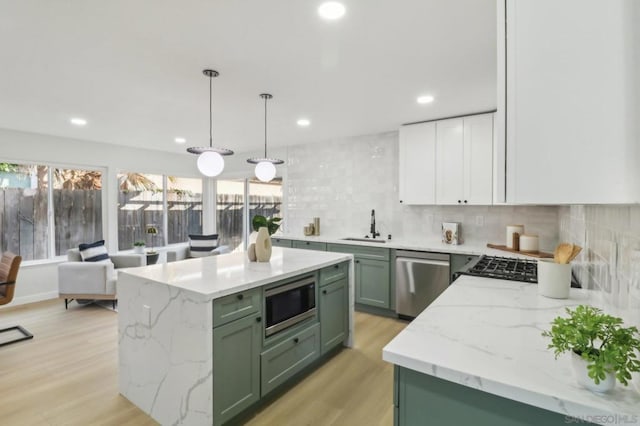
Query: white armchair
[92,280]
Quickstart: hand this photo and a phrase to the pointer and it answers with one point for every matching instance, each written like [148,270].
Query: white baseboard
[32,298]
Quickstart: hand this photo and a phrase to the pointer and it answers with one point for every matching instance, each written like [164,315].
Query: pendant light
[265,167]
[210,161]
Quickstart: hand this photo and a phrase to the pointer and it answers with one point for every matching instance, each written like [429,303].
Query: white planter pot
[138,249]
[582,376]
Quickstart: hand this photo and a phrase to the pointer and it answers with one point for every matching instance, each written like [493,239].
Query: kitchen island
[476,356]
[186,328]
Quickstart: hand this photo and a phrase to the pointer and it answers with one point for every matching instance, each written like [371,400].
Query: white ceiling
[133,68]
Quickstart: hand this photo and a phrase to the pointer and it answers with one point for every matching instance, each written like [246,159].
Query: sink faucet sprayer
[373,231]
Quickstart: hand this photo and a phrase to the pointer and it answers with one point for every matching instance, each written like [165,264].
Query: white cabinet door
[572,101]
[449,161]
[417,148]
[478,159]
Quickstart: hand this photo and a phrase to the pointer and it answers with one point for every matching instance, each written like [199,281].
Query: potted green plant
[602,349]
[138,247]
[272,224]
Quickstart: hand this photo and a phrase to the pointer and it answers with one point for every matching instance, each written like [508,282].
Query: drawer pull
[324,291]
[296,340]
[240,296]
[336,266]
[258,319]
[357,261]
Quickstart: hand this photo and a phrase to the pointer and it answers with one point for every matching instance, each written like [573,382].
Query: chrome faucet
[373,231]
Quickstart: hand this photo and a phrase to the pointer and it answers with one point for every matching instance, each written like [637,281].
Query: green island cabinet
[237,323]
[334,306]
[372,274]
[421,399]
[248,366]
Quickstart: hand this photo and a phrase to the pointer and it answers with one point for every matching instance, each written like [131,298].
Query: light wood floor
[67,375]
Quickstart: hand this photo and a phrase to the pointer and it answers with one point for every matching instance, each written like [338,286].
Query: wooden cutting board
[540,254]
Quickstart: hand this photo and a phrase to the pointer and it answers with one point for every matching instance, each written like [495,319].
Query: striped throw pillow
[94,252]
[201,245]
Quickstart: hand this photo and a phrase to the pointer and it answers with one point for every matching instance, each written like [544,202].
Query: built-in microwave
[289,304]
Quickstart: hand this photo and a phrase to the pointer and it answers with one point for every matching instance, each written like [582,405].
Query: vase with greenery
[138,247]
[265,228]
[609,350]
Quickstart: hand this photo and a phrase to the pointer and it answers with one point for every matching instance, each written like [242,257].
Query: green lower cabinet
[420,399]
[373,284]
[280,242]
[334,317]
[284,360]
[236,366]
[309,245]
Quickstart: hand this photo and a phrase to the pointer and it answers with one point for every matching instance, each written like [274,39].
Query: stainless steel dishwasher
[420,278]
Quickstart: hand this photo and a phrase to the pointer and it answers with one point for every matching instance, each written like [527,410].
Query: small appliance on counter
[451,233]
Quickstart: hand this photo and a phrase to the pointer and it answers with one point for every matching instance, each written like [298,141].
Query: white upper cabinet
[570,100]
[464,160]
[417,149]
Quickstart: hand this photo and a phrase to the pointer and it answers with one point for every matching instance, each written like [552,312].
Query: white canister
[554,279]
[529,243]
[511,229]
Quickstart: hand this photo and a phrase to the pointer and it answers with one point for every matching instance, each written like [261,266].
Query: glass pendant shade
[210,163]
[265,171]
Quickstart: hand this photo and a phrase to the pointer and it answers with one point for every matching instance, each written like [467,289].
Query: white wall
[38,280]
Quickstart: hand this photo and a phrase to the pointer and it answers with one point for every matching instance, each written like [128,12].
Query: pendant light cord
[210,112]
[265,127]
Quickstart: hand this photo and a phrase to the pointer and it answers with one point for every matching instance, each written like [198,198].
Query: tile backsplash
[610,260]
[341,181]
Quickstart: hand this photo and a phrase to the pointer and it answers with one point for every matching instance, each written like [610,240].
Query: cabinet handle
[307,243]
[465,201]
[357,261]
[296,340]
[459,201]
[258,319]
[240,296]
[336,266]
[324,291]
[401,201]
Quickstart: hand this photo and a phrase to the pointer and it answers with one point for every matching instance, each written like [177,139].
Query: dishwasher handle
[409,260]
[423,261]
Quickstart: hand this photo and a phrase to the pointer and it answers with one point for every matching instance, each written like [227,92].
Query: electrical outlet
[479,220]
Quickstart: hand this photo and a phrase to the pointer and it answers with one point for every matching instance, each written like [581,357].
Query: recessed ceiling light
[77,121]
[180,140]
[331,10]
[426,99]
[303,122]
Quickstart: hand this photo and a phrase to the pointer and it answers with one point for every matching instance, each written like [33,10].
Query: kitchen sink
[366,240]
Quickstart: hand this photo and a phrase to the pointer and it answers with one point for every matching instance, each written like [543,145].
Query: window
[146,200]
[184,204]
[140,206]
[77,207]
[233,223]
[76,210]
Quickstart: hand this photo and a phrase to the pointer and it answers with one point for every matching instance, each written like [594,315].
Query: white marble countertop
[216,276]
[432,245]
[486,334]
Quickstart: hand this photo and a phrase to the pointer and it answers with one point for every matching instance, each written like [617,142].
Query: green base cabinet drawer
[334,273]
[280,242]
[289,357]
[334,316]
[363,252]
[236,306]
[236,367]
[310,245]
[373,284]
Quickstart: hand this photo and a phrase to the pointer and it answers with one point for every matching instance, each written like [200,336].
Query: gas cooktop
[506,268]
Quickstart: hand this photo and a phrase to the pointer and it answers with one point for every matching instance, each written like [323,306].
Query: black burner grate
[505,268]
